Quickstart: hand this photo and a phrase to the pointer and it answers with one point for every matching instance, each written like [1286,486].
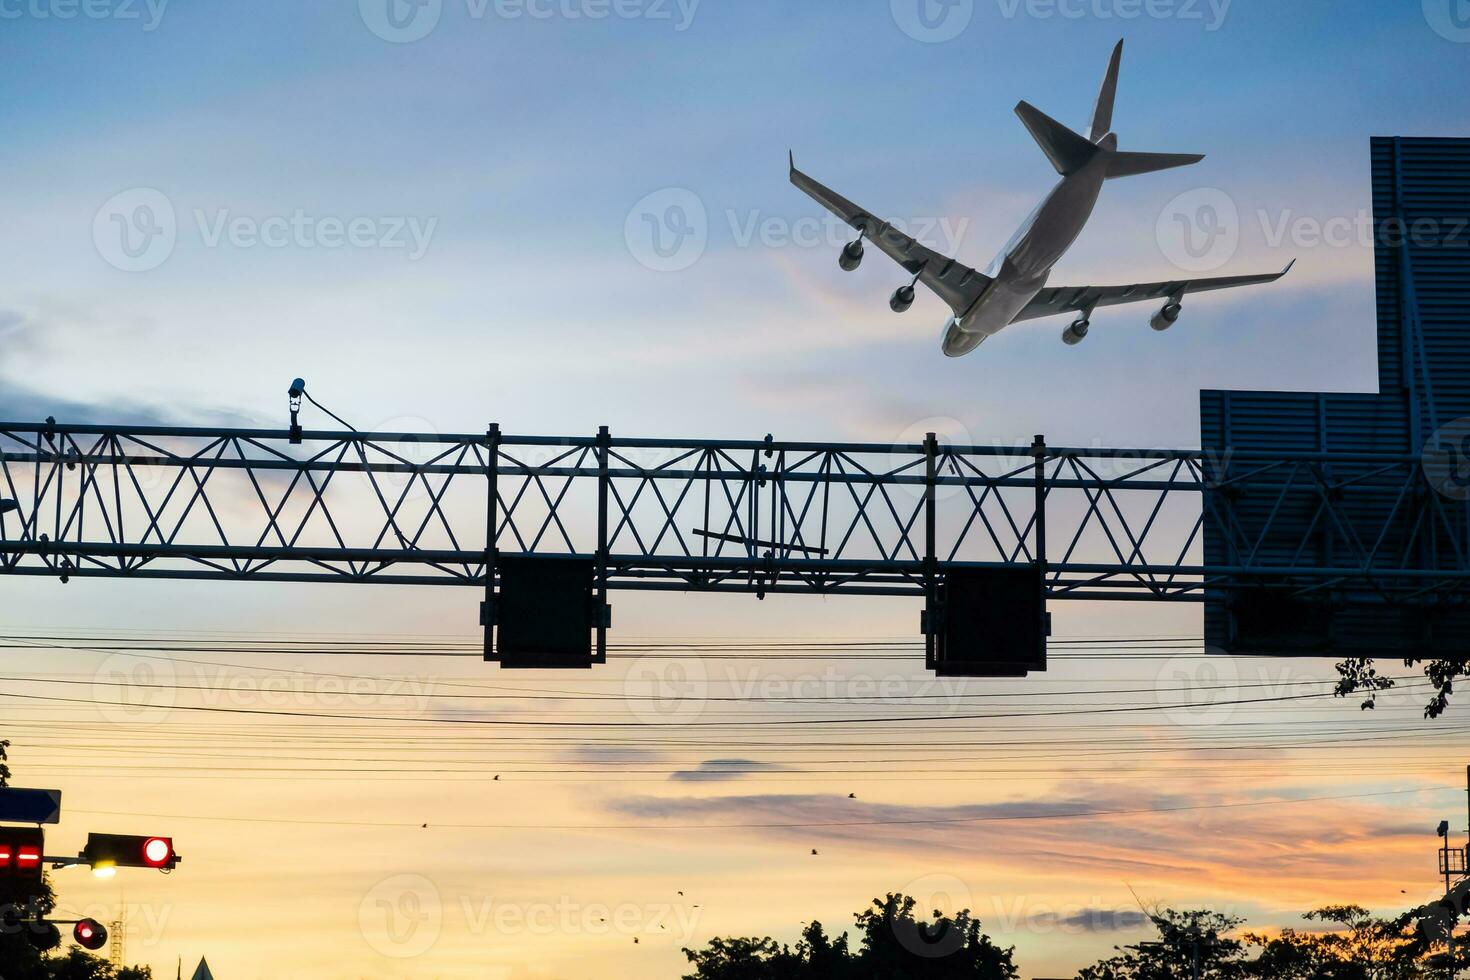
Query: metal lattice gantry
[755,516]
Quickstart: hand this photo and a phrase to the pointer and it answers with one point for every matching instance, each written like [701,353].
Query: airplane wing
[955,283]
[1078,299]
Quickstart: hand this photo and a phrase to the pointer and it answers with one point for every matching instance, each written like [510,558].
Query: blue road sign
[30,805]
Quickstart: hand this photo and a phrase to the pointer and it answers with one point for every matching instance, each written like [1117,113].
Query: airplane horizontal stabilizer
[1067,151]
[1133,164]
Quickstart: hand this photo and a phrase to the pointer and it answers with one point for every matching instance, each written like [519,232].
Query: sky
[560,214]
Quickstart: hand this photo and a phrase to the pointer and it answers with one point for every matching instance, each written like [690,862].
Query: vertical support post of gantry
[602,611]
[1038,450]
[492,520]
[931,562]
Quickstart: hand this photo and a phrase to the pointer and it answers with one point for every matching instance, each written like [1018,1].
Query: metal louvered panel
[1354,515]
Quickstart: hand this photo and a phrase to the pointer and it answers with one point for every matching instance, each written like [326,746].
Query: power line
[584,696]
[266,712]
[323,733]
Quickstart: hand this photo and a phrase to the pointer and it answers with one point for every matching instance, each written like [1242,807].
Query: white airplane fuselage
[1023,266]
[1014,287]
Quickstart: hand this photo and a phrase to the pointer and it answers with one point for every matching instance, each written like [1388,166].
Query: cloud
[594,754]
[58,336]
[1307,851]
[1093,920]
[21,404]
[810,810]
[724,770]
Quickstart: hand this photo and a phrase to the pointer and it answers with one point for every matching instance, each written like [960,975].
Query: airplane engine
[902,299]
[1165,318]
[852,256]
[1074,334]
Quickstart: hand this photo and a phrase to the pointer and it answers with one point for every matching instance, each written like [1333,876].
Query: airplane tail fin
[1132,164]
[1068,152]
[1102,115]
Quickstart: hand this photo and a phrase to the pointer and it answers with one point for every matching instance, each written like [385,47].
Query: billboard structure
[1377,483]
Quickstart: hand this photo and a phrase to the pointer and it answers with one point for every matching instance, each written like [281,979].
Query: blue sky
[523,143]
[523,150]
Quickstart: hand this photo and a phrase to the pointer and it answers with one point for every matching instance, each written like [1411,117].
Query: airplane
[1014,286]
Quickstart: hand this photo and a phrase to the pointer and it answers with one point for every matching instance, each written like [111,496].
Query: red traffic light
[158,852]
[89,934]
[21,850]
[130,851]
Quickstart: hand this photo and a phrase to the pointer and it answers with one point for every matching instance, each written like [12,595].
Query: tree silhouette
[1360,674]
[1190,944]
[1354,946]
[1361,948]
[895,945]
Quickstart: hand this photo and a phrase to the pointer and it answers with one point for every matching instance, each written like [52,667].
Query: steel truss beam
[715,515]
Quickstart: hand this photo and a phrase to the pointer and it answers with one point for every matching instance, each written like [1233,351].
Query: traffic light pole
[1450,872]
[1450,936]
[61,862]
[1465,867]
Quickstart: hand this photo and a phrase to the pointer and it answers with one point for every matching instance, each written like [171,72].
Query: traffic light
[89,934]
[43,936]
[21,850]
[130,851]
